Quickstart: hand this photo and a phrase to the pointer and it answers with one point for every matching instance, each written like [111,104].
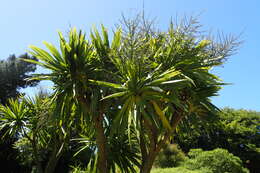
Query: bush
[179,170]
[171,156]
[218,161]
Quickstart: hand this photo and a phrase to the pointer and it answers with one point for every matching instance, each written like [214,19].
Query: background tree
[14,73]
[71,69]
[234,130]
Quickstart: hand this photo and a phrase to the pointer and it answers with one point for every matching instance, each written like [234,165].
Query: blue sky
[30,22]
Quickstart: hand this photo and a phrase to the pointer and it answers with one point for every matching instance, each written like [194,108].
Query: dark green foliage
[218,161]
[234,130]
[13,75]
[39,139]
[242,135]
[170,156]
[8,155]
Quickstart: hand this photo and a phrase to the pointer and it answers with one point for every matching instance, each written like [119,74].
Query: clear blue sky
[32,21]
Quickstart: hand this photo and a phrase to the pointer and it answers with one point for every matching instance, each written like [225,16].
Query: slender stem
[142,141]
[101,144]
[55,156]
[35,151]
[36,155]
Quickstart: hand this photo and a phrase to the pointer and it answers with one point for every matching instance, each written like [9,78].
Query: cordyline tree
[40,135]
[155,78]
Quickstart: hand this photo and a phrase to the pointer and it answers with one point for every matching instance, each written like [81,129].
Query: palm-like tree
[15,118]
[161,79]
[26,118]
[32,119]
[78,62]
[146,101]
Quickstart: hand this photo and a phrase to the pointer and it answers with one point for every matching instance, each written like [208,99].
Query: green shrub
[81,169]
[218,161]
[179,170]
[170,156]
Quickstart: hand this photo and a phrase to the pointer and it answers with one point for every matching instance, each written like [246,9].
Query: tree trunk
[153,149]
[101,144]
[102,163]
[142,141]
[148,163]
[155,146]
[50,168]
[53,160]
[38,167]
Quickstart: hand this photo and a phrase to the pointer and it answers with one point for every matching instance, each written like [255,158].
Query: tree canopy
[14,73]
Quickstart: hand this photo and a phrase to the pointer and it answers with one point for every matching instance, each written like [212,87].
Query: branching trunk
[155,146]
[154,149]
[148,159]
[148,163]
